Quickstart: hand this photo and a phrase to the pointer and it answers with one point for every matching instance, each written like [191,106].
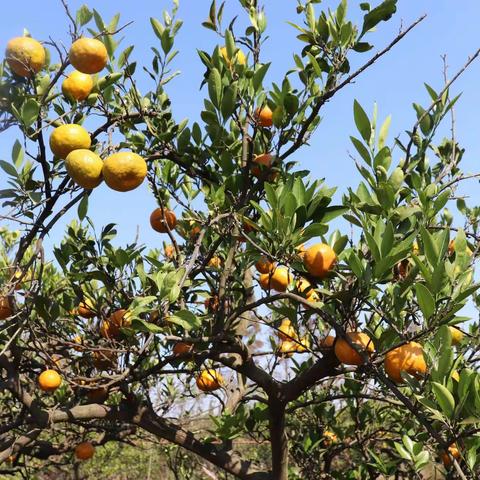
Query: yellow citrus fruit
[85,168]
[215,262]
[264,265]
[457,335]
[169,251]
[303,345]
[329,438]
[455,376]
[349,356]
[86,309]
[67,138]
[110,328]
[286,330]
[319,259]
[49,380]
[240,57]
[124,171]
[5,310]
[209,380]
[84,451]
[77,85]
[25,56]
[264,116]
[454,452]
[287,348]
[88,55]
[277,280]
[161,218]
[406,358]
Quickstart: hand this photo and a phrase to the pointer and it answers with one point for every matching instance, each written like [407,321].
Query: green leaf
[185,319]
[29,112]
[83,16]
[215,86]
[425,299]
[17,154]
[140,325]
[382,136]
[8,168]
[158,28]
[361,121]
[83,207]
[259,75]
[444,398]
[381,13]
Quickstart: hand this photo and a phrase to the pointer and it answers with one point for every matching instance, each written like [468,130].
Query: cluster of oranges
[122,171]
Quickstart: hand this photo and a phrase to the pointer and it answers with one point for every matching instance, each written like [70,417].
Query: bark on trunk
[278,441]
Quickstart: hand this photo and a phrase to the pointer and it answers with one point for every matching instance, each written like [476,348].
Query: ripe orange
[346,354]
[85,168]
[454,452]
[67,138]
[329,438]
[5,309]
[209,380]
[215,262]
[406,358]
[124,171]
[319,259]
[195,231]
[86,309]
[169,251]
[328,341]
[212,303]
[239,58]
[98,395]
[49,380]
[84,451]
[264,265]
[88,55]
[264,116]
[457,335]
[286,330]
[25,56]
[265,160]
[277,280]
[161,218]
[110,328]
[287,348]
[77,85]
[182,348]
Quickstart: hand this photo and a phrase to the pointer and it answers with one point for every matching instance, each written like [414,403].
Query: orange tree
[105,342]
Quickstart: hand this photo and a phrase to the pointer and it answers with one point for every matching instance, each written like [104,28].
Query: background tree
[346,363]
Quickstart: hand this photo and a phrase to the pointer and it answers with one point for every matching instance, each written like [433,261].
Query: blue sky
[394,82]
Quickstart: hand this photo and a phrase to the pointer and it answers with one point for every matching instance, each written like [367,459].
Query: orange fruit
[84,451]
[264,265]
[327,342]
[163,220]
[451,248]
[346,354]
[457,335]
[212,303]
[277,280]
[287,348]
[406,358]
[67,138]
[195,231]
[49,380]
[77,85]
[110,328]
[124,171]
[182,348]
[286,331]
[454,452]
[85,168]
[209,380]
[303,345]
[319,259]
[169,251]
[5,309]
[25,56]
[261,161]
[85,309]
[88,55]
[215,262]
[239,57]
[104,359]
[264,116]
[98,395]
[329,438]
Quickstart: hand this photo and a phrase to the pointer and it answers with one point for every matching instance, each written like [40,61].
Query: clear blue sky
[394,82]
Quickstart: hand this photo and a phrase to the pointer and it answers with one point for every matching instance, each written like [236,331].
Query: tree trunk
[278,441]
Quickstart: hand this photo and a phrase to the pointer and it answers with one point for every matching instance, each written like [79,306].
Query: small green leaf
[361,121]
[83,207]
[425,299]
[215,86]
[83,16]
[140,325]
[444,398]
[185,319]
